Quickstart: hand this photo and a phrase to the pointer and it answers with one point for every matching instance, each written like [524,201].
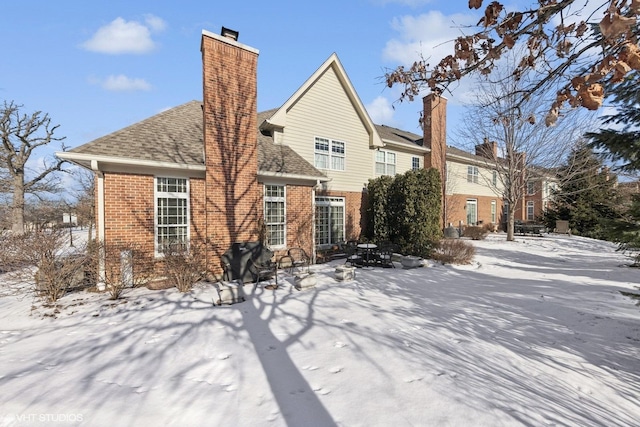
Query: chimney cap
[227,32]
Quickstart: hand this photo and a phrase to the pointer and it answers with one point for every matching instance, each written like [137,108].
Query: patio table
[368,249]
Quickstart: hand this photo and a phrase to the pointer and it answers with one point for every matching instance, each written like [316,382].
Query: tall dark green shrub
[410,215]
[377,226]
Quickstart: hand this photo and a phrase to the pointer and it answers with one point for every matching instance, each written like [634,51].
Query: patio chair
[263,268]
[353,256]
[385,254]
[296,258]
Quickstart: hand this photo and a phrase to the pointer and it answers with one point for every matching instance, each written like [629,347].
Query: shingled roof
[175,136]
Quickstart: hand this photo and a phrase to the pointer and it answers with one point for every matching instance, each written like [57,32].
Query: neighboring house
[538,193]
[218,172]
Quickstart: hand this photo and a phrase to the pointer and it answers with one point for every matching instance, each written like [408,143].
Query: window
[274,214]
[329,154]
[385,163]
[494,180]
[415,163]
[494,209]
[172,212]
[472,174]
[329,220]
[530,210]
[472,211]
[531,187]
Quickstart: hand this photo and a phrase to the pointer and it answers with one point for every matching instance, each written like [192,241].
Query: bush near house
[454,251]
[184,265]
[45,259]
[405,209]
[475,232]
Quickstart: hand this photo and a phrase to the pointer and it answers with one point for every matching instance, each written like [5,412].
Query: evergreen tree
[622,144]
[587,196]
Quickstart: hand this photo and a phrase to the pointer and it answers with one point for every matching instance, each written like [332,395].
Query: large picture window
[172,212]
[329,220]
[329,154]
[385,163]
[275,214]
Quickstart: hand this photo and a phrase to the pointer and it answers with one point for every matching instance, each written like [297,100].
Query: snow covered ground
[534,332]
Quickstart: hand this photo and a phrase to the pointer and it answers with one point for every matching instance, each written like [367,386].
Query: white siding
[326,111]
[457,181]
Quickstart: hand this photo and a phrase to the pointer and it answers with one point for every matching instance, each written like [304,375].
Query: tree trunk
[511,223]
[18,204]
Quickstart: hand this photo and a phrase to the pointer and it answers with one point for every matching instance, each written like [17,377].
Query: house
[219,172]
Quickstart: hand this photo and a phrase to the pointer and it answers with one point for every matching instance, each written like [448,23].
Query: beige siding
[457,181]
[404,162]
[326,111]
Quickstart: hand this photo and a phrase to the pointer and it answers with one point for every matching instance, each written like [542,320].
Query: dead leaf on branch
[592,96]
[615,25]
[475,4]
[631,55]
[491,14]
[621,69]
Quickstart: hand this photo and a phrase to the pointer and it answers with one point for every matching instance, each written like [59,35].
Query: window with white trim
[385,163]
[531,187]
[494,180]
[472,174]
[494,210]
[329,220]
[329,154]
[530,210]
[415,163]
[275,214]
[172,212]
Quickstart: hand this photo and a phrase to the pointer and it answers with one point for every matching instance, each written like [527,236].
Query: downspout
[100,225]
[313,221]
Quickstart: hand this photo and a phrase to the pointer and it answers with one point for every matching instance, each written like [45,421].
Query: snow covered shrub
[184,264]
[46,259]
[126,265]
[475,232]
[454,251]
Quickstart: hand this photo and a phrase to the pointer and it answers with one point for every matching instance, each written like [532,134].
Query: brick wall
[230,123]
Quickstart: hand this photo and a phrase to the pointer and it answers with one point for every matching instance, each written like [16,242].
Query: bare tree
[579,55]
[84,205]
[20,136]
[501,127]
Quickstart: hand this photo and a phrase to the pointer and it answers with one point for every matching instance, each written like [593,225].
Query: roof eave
[86,160]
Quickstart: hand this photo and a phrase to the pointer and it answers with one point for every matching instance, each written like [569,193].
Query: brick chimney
[434,124]
[488,149]
[229,78]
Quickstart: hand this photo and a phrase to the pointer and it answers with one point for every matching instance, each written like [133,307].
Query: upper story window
[172,212]
[385,163]
[415,163]
[472,174]
[329,154]
[275,214]
[494,179]
[531,187]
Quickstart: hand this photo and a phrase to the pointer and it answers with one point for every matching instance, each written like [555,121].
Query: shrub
[125,266]
[454,251]
[184,265]
[475,232]
[46,260]
[406,209]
